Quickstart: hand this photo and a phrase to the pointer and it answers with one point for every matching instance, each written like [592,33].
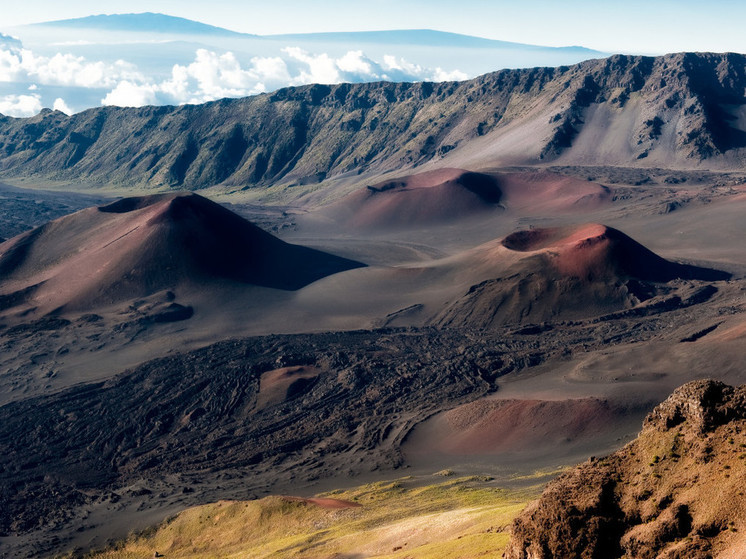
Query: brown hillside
[674,492]
[425,198]
[569,273]
[502,426]
[138,246]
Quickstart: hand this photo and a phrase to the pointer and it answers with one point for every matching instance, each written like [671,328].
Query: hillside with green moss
[465,517]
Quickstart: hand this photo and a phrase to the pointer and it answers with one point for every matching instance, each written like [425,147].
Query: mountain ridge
[680,110]
[159,22]
[140,22]
[422,37]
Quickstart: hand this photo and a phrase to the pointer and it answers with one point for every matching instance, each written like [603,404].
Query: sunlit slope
[464,517]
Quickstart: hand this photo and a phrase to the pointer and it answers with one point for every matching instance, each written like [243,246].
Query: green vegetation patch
[464,517]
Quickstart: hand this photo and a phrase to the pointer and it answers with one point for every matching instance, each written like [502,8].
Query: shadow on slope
[426,198]
[138,246]
[575,273]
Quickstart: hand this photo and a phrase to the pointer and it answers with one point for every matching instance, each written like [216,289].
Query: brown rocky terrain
[434,197]
[674,111]
[675,491]
[280,413]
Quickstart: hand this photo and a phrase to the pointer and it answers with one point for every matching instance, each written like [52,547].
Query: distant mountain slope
[147,22]
[424,37]
[684,110]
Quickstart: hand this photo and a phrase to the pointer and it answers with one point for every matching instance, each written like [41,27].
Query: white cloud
[391,62]
[214,76]
[441,75]
[20,105]
[271,69]
[219,76]
[320,68]
[355,62]
[128,94]
[18,64]
[60,105]
[211,75]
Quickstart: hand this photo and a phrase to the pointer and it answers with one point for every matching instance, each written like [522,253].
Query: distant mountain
[150,22]
[423,37]
[636,111]
[152,44]
[147,22]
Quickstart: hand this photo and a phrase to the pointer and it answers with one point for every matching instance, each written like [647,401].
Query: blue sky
[635,26]
[54,68]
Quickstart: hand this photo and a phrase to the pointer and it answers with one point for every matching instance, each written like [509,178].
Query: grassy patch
[463,517]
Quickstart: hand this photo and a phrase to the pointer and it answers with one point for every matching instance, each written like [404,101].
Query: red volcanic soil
[568,273]
[488,427]
[280,384]
[324,502]
[426,198]
[445,195]
[542,192]
[595,251]
[138,246]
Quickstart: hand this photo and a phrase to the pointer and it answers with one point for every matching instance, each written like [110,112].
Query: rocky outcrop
[703,406]
[676,108]
[676,491]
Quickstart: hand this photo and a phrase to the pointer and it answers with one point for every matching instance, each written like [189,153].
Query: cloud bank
[20,105]
[214,76]
[209,76]
[18,64]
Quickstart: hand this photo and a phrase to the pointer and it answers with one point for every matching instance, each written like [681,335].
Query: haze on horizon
[634,26]
[72,70]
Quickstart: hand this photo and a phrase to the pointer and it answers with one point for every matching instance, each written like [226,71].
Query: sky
[71,73]
[630,26]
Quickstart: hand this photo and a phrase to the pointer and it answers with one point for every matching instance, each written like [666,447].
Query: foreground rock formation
[677,491]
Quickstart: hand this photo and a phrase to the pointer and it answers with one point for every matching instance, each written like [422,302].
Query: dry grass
[465,517]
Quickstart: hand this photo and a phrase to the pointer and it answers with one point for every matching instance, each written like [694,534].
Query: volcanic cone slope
[138,246]
[426,198]
[568,273]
